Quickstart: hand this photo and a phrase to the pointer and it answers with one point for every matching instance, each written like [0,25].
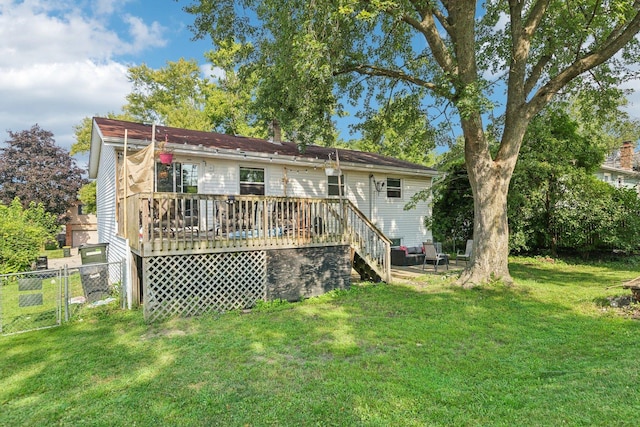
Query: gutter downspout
[371,197]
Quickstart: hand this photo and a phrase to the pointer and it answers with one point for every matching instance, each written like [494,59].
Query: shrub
[22,234]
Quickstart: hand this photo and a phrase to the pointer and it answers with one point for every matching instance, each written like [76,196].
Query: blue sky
[63,60]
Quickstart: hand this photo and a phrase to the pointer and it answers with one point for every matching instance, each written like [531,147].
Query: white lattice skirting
[190,285]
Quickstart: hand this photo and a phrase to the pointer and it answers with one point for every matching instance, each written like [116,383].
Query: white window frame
[334,185]
[392,189]
[253,184]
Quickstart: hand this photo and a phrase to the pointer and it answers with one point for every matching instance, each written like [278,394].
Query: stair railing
[367,240]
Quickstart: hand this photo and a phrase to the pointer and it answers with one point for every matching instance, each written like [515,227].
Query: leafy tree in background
[554,154]
[230,102]
[626,226]
[174,95]
[452,215]
[36,214]
[34,169]
[313,54]
[87,196]
[399,129]
[23,233]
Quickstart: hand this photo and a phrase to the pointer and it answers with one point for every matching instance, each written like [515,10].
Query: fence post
[66,293]
[123,287]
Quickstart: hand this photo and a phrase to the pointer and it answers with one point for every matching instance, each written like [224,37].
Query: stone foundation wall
[294,274]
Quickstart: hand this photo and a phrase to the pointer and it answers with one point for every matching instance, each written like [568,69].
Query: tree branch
[616,41]
[372,70]
[427,27]
[535,74]
[535,16]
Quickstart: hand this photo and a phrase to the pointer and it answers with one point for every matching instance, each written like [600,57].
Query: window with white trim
[252,181]
[394,188]
[332,185]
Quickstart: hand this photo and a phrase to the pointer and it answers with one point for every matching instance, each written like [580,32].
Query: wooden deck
[159,224]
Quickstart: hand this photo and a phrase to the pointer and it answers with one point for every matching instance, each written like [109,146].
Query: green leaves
[23,233]
[174,95]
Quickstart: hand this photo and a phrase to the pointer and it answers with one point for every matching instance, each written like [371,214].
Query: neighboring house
[225,199]
[82,227]
[620,168]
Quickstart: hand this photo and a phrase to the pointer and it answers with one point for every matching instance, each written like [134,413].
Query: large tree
[314,53]
[34,169]
[555,201]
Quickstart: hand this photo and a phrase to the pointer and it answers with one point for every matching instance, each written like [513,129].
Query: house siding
[306,182]
[388,214]
[106,206]
[620,178]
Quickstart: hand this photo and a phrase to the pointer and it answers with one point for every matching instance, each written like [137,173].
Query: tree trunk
[489,179]
[490,228]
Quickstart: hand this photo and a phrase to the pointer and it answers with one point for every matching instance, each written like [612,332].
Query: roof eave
[95,149]
[274,157]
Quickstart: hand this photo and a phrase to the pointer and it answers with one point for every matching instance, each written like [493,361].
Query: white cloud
[107,7]
[144,36]
[209,71]
[58,62]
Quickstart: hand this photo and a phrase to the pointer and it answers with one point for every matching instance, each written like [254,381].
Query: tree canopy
[34,169]
[456,55]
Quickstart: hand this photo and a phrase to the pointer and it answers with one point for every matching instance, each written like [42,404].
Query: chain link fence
[47,298]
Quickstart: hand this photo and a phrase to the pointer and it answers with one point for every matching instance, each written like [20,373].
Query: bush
[22,235]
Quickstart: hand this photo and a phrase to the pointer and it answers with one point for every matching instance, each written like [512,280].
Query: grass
[543,352]
[53,253]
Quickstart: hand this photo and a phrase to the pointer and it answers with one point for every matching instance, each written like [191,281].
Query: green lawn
[543,352]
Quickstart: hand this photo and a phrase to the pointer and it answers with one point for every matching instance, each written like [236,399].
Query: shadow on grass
[375,355]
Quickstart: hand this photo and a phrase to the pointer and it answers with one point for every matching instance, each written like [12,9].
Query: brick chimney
[626,155]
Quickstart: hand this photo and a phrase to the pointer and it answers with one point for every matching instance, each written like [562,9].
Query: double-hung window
[394,188]
[335,188]
[252,181]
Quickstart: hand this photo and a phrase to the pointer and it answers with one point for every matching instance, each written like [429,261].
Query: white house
[620,168]
[275,190]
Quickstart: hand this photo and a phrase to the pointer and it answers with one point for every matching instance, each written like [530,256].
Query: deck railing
[175,222]
[370,243]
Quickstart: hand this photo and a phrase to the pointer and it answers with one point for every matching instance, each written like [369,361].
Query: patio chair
[466,256]
[432,254]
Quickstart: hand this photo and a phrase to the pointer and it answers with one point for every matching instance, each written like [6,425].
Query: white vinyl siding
[222,176]
[106,205]
[391,218]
